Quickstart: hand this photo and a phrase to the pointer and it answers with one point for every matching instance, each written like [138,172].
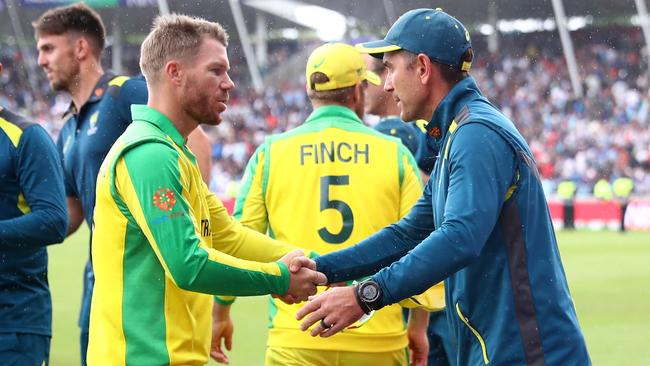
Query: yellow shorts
[281,356]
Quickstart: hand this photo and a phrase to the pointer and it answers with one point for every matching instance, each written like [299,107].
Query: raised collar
[95,96]
[141,112]
[462,93]
[329,111]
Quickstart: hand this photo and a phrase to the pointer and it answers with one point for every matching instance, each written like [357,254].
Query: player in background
[381,103]
[482,224]
[70,42]
[162,241]
[413,134]
[343,180]
[32,216]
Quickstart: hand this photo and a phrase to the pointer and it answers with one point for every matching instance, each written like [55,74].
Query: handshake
[331,311]
[303,277]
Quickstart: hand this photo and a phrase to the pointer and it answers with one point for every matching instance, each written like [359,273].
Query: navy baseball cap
[430,31]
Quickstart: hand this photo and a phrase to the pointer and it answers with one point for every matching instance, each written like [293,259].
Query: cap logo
[317,65]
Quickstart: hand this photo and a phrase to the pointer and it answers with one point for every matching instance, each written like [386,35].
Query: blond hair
[177,37]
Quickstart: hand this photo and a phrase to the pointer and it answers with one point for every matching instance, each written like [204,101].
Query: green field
[608,274]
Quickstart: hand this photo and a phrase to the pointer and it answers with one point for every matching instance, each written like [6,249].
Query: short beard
[70,76]
[195,105]
[60,85]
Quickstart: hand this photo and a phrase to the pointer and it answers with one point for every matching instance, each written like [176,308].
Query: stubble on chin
[60,85]
[66,80]
[197,107]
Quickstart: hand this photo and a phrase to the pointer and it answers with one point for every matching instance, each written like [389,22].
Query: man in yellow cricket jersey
[162,241]
[328,184]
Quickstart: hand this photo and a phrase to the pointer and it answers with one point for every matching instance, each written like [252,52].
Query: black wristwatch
[369,296]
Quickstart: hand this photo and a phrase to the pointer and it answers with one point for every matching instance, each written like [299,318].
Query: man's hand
[337,308]
[222,328]
[300,261]
[417,334]
[303,277]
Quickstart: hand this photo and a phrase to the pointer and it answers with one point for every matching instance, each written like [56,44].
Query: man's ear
[173,71]
[358,90]
[82,48]
[425,68]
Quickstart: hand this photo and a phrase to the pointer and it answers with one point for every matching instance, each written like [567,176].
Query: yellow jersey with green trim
[324,186]
[161,244]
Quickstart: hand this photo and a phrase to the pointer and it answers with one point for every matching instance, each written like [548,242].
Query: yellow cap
[342,64]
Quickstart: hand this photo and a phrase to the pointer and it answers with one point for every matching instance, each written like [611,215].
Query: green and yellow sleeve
[230,236]
[250,208]
[157,201]
[251,221]
[251,215]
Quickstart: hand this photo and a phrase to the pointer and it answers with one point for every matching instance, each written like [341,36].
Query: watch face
[369,293]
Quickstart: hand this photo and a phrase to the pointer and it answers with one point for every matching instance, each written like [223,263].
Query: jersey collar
[141,112]
[329,111]
[95,96]
[463,92]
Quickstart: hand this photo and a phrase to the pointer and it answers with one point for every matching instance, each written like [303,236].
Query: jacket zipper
[476,333]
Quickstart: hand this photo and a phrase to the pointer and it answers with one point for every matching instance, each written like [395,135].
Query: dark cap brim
[376,48]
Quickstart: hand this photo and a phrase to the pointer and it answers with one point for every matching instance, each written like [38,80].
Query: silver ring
[325,325]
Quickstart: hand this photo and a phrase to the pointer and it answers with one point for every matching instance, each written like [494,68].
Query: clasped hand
[337,307]
[303,277]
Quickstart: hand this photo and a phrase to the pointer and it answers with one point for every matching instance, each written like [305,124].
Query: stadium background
[599,133]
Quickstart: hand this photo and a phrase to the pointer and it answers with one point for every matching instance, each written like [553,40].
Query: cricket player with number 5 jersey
[326,185]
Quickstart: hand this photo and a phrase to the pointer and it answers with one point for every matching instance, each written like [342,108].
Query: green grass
[608,274]
[609,278]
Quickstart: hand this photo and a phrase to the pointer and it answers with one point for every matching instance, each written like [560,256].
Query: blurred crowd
[604,134]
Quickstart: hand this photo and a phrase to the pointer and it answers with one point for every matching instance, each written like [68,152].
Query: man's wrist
[284,281]
[369,296]
[220,311]
[224,300]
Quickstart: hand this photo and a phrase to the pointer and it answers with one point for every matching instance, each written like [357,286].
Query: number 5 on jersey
[340,206]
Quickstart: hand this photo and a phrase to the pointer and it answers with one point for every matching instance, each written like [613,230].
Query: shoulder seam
[14,130]
[16,120]
[118,81]
[146,140]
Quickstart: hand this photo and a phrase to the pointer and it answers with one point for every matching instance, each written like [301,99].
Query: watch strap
[362,304]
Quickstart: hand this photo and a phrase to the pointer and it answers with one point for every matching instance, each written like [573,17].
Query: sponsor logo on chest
[92,128]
